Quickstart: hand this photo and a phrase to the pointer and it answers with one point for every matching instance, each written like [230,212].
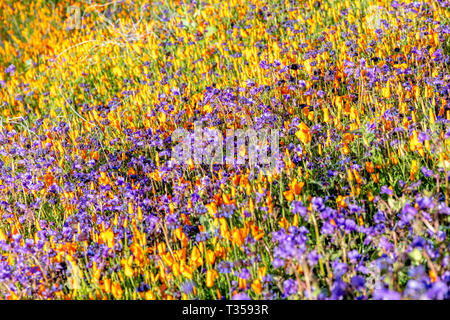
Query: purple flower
[363,269]
[338,290]
[427,172]
[264,65]
[425,203]
[327,228]
[188,287]
[384,264]
[386,294]
[418,242]
[354,256]
[317,204]
[443,209]
[313,258]
[241,296]
[245,274]
[407,214]
[224,267]
[417,272]
[339,268]
[441,235]
[414,289]
[349,225]
[385,244]
[379,217]
[423,137]
[298,208]
[357,282]
[278,263]
[11,69]
[290,287]
[438,291]
[447,135]
[386,190]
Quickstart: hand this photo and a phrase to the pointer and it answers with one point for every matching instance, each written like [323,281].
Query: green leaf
[416,255]
[205,221]
[210,30]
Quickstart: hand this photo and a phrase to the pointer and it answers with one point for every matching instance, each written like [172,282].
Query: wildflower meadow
[224,150]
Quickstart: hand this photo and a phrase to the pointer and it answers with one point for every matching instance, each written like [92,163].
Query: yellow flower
[340,201]
[196,258]
[326,115]
[242,283]
[13,296]
[210,256]
[414,170]
[149,295]
[211,276]
[256,286]
[257,233]
[212,208]
[127,266]
[357,176]
[289,195]
[283,223]
[433,276]
[296,186]
[238,236]
[369,167]
[117,291]
[376,177]
[107,237]
[106,285]
[186,270]
[303,134]
[349,174]
[345,149]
